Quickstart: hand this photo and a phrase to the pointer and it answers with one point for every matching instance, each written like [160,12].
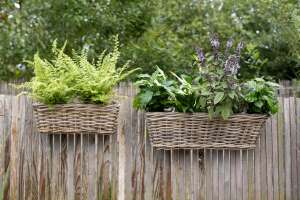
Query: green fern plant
[68,79]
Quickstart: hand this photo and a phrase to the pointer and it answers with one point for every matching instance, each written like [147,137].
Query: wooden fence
[125,166]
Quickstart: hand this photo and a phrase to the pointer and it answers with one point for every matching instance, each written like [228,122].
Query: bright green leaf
[219,96]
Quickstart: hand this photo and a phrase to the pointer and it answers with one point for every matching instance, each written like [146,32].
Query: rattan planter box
[172,130]
[76,118]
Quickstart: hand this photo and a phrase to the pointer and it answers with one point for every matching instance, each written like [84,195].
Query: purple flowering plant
[217,87]
[214,89]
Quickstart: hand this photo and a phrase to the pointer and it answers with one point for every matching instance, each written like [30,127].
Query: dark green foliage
[157,92]
[260,96]
[156,32]
[83,23]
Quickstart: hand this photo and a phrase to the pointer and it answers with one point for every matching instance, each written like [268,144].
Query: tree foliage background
[156,32]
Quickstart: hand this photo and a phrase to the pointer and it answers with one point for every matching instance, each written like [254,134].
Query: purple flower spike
[201,56]
[232,65]
[239,48]
[215,43]
[229,44]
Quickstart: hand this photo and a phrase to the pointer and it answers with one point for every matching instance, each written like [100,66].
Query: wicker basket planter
[76,118]
[171,130]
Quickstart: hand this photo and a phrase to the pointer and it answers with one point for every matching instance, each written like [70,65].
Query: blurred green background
[153,32]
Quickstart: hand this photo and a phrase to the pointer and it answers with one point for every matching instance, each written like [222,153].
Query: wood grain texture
[125,166]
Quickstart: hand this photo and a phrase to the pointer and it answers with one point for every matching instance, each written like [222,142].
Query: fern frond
[67,78]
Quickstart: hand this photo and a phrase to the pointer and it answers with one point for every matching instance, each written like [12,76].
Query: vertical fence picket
[233,177]
[274,135]
[298,142]
[281,155]
[293,147]
[263,160]
[269,159]
[175,174]
[215,175]
[227,175]
[257,170]
[245,166]
[287,149]
[14,150]
[3,135]
[250,174]
[239,174]
[70,166]
[222,173]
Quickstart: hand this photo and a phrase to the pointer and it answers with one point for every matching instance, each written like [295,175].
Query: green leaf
[219,96]
[210,113]
[231,95]
[250,97]
[146,97]
[226,112]
[259,104]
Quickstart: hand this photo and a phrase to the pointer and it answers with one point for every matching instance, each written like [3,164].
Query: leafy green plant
[253,65]
[260,96]
[160,93]
[157,92]
[215,89]
[74,79]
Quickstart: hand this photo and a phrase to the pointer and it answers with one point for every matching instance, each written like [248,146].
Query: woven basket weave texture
[172,130]
[76,118]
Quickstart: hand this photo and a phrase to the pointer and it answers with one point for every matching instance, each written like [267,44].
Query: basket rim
[39,104]
[203,114]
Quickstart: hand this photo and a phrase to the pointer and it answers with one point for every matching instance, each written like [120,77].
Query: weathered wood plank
[281,155]
[233,168]
[5,146]
[263,171]
[209,174]
[293,129]
[130,162]
[221,174]
[227,175]
[2,141]
[167,186]
[177,173]
[201,167]
[251,174]
[257,170]
[245,165]
[197,174]
[149,166]
[14,152]
[121,143]
[287,149]
[92,167]
[215,174]
[70,166]
[298,142]
[239,174]
[269,159]
[107,169]
[274,136]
